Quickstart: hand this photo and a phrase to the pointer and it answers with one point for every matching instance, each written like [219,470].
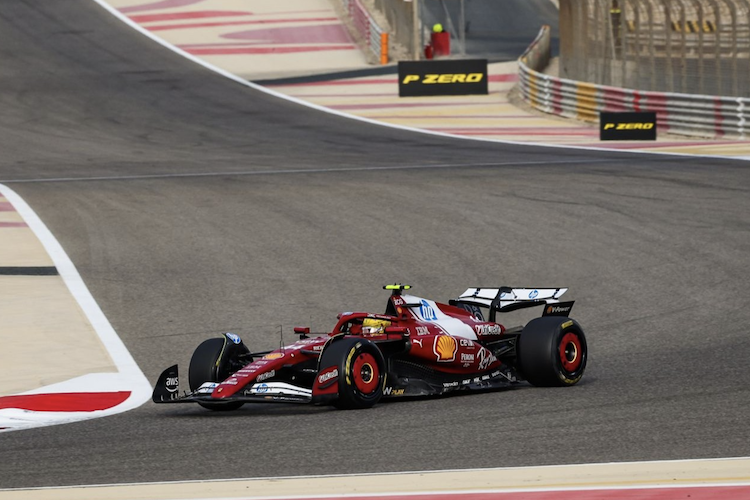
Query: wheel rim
[365,373]
[571,352]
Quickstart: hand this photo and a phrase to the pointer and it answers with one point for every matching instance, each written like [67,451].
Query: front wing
[167,390]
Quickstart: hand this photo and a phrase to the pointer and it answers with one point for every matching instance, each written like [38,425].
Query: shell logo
[445,348]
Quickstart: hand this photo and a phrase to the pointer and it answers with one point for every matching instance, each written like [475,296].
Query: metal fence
[401,16]
[686,114]
[492,29]
[684,46]
[372,35]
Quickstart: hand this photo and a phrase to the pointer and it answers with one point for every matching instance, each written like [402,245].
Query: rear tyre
[362,370]
[213,361]
[552,352]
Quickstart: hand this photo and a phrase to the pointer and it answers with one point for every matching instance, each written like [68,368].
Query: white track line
[650,475]
[129,376]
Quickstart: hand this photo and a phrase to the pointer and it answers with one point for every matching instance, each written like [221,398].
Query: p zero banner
[632,126]
[454,77]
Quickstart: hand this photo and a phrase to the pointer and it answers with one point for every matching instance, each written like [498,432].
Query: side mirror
[302,331]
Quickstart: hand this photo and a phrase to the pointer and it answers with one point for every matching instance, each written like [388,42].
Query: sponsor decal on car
[249,370]
[488,329]
[486,358]
[445,348]
[207,388]
[265,376]
[533,294]
[467,357]
[172,383]
[328,376]
[303,342]
[274,355]
[390,391]
[551,310]
[426,311]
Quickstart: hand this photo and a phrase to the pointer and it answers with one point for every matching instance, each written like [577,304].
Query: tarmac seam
[309,171]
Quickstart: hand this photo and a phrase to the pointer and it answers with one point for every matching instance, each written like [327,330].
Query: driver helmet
[372,326]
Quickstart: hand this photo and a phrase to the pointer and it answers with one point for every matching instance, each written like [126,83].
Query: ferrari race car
[418,347]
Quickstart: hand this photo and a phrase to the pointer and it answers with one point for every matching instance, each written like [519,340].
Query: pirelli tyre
[552,352]
[213,361]
[362,370]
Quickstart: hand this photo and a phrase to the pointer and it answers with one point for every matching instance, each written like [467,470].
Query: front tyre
[552,352]
[362,370]
[214,360]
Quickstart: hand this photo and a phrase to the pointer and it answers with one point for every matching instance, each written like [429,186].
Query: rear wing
[506,299]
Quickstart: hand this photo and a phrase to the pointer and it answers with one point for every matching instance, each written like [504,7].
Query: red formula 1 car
[418,347]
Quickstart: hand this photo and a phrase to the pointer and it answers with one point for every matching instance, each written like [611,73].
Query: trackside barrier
[375,38]
[684,114]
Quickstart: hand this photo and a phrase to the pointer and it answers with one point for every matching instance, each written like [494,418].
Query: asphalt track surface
[263,213]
